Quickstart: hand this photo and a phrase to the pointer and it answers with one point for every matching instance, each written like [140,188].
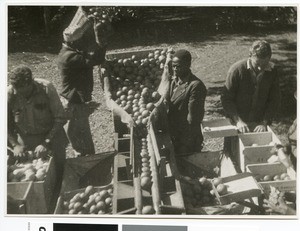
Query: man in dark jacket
[251,94]
[75,62]
[186,99]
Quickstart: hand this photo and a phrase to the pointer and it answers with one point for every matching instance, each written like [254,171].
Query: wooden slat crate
[218,128]
[211,165]
[170,187]
[43,190]
[240,187]
[261,170]
[67,196]
[256,147]
[80,172]
[23,194]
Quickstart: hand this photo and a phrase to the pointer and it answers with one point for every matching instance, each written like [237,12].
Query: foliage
[238,17]
[31,19]
[116,13]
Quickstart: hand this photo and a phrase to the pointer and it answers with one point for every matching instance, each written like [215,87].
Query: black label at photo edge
[38,226]
[83,227]
[153,228]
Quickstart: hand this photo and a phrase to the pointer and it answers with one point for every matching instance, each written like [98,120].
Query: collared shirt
[38,114]
[177,81]
[252,100]
[255,76]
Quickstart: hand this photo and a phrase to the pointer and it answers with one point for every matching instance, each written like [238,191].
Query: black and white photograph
[148,111]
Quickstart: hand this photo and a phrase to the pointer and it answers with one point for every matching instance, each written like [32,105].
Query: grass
[212,56]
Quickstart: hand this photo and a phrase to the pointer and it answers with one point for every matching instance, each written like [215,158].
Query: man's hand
[242,126]
[189,118]
[281,208]
[260,128]
[169,54]
[41,151]
[19,150]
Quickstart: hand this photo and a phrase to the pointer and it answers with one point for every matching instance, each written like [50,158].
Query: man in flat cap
[35,117]
[186,98]
[251,94]
[79,54]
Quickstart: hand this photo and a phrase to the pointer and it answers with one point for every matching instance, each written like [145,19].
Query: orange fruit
[150,106]
[148,209]
[145,182]
[267,178]
[222,189]
[89,189]
[217,181]
[283,175]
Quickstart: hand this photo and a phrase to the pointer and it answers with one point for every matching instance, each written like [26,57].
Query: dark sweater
[252,102]
[76,70]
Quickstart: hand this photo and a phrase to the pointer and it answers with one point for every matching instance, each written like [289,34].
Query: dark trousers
[78,128]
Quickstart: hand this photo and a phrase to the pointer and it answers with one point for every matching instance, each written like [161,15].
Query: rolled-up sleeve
[229,92]
[57,110]
[11,128]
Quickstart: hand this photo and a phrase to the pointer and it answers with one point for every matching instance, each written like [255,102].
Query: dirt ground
[212,57]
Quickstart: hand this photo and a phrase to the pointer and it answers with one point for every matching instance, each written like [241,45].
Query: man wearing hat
[186,98]
[251,94]
[79,54]
[35,117]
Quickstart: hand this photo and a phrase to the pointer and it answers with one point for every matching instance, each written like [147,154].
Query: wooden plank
[218,128]
[255,148]
[22,192]
[162,172]
[261,170]
[115,184]
[116,143]
[154,144]
[240,187]
[43,190]
[136,174]
[155,188]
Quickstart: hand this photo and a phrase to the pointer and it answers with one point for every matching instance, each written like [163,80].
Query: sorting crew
[35,117]
[186,98]
[79,54]
[251,94]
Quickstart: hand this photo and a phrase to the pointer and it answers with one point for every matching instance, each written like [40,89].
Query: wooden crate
[87,170]
[22,193]
[261,170]
[240,187]
[43,190]
[66,196]
[212,165]
[218,128]
[123,197]
[170,188]
[204,163]
[250,154]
